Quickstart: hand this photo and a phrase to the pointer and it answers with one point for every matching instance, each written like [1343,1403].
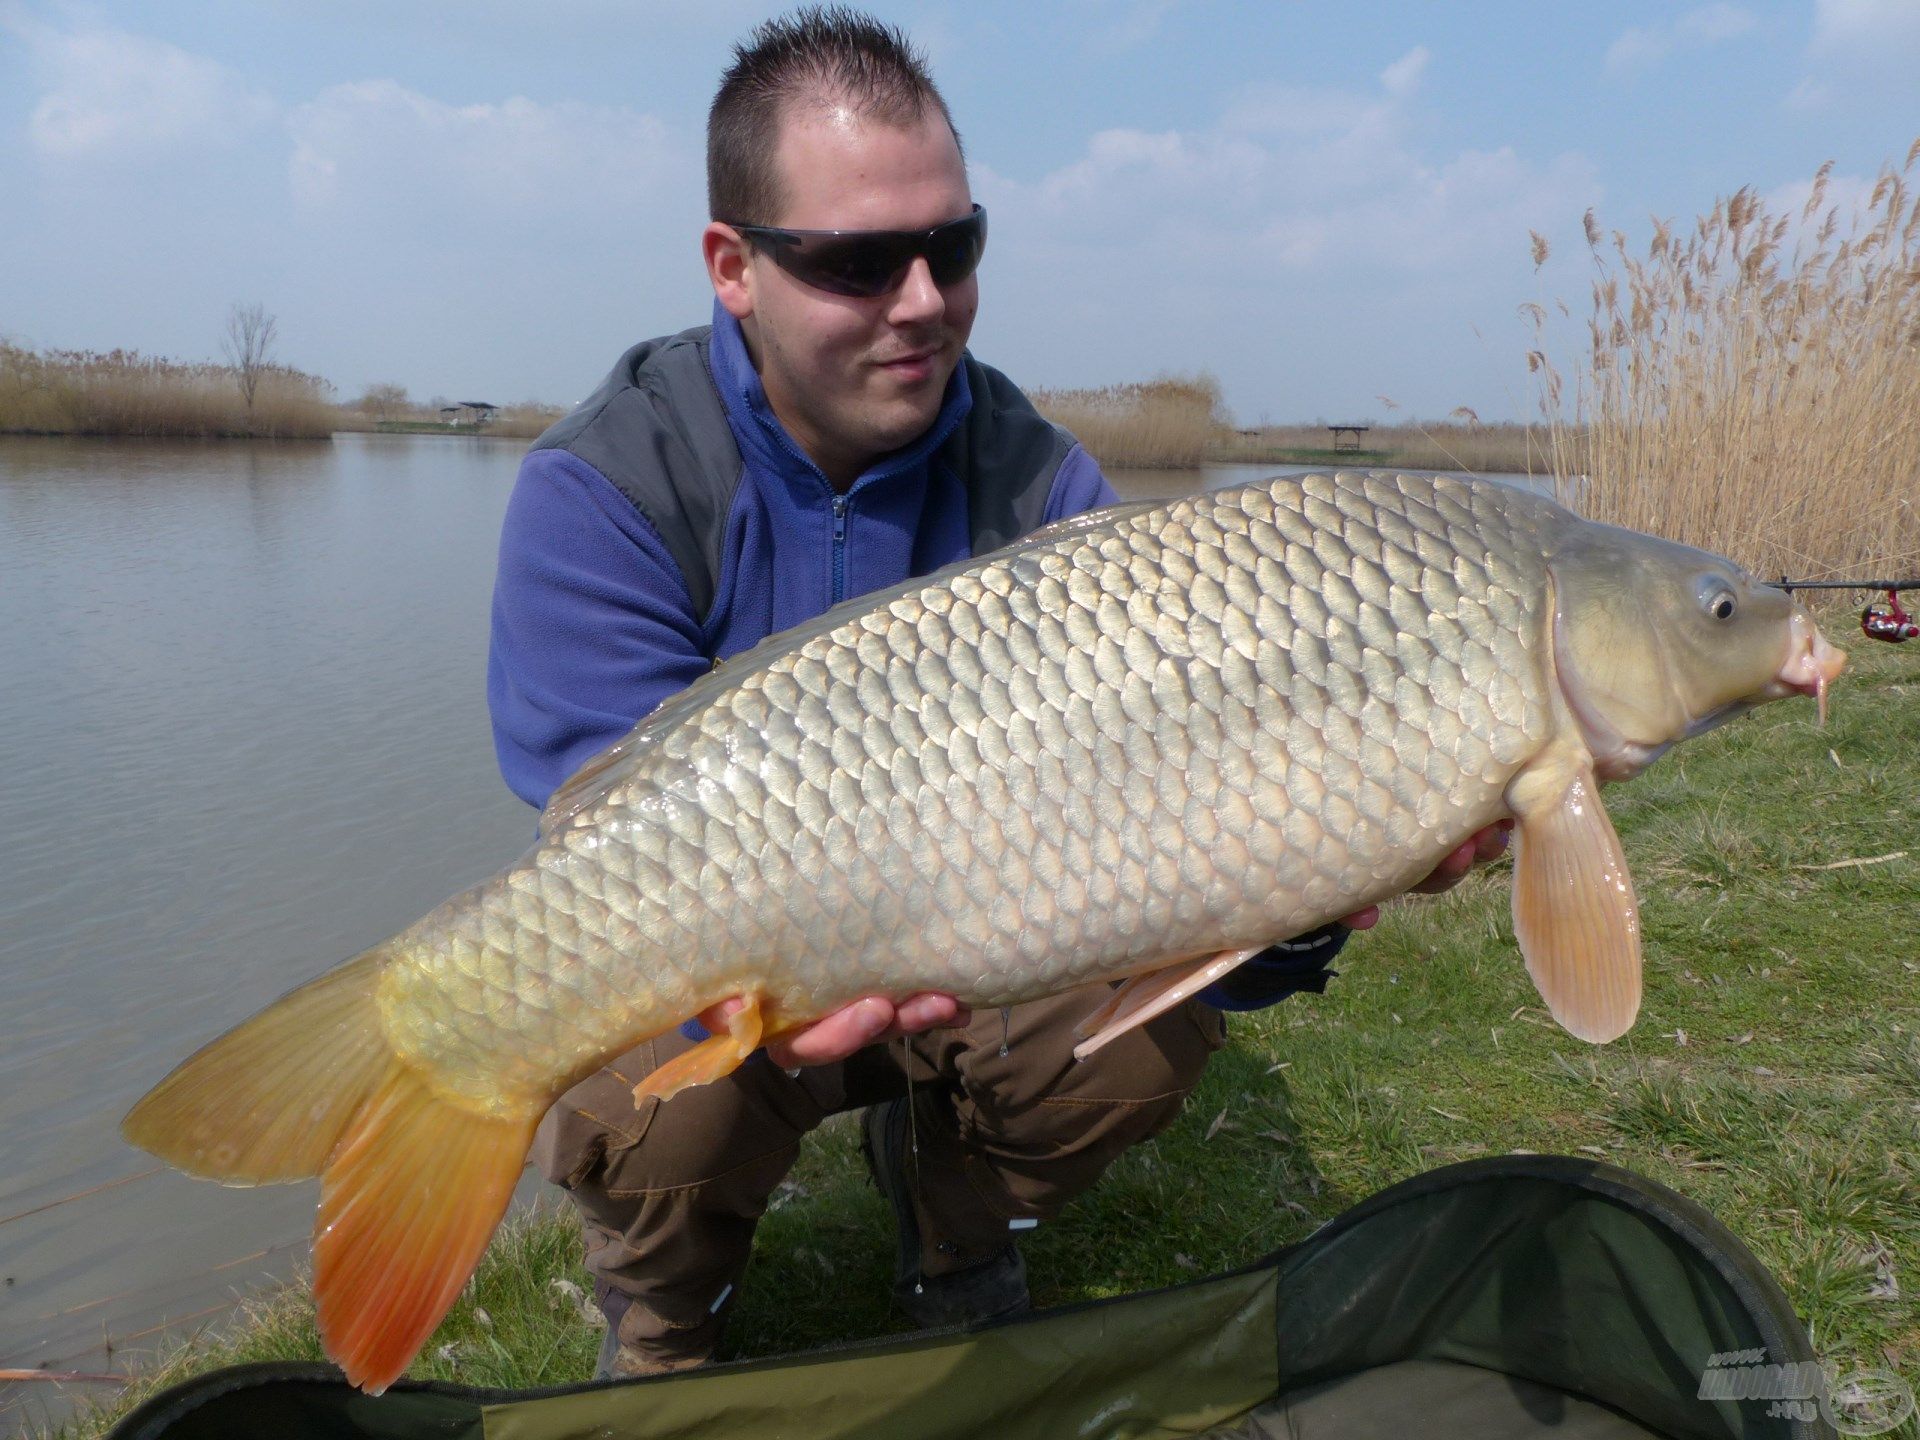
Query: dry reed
[1166,423]
[121,392]
[1753,386]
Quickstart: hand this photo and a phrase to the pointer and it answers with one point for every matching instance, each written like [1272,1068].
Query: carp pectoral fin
[711,1059]
[1155,993]
[407,1204]
[1574,911]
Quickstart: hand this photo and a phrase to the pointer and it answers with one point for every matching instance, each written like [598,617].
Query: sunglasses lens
[953,251]
[868,265]
[862,266]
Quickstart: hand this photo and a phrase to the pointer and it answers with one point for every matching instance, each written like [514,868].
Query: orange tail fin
[412,1184]
[407,1205]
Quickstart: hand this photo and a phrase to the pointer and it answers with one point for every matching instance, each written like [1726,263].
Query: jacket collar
[763,439]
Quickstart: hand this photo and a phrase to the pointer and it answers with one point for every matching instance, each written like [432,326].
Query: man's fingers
[928,1011]
[846,1030]
[867,1021]
[1448,872]
[1362,919]
[1482,846]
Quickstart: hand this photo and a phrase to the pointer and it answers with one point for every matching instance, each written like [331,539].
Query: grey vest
[657,429]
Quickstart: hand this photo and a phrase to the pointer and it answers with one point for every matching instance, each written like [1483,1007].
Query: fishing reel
[1882,619]
[1885,620]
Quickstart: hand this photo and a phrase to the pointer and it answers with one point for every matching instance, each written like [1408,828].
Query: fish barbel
[1141,743]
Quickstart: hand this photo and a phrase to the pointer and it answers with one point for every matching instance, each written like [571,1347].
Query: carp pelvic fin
[1574,910]
[712,1059]
[1155,993]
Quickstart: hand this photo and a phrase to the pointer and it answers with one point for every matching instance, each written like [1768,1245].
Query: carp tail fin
[407,1205]
[268,1100]
[412,1184]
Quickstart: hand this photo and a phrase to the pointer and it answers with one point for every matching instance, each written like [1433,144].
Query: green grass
[1774,1076]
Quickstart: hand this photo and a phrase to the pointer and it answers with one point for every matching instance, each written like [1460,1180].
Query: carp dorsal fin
[1155,993]
[1574,910]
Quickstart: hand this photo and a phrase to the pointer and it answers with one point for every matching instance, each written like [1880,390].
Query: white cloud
[1219,246]
[1118,25]
[1844,197]
[1644,46]
[109,94]
[1403,76]
[1866,26]
[376,140]
[1862,51]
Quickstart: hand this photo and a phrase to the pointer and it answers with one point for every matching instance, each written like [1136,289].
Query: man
[827,435]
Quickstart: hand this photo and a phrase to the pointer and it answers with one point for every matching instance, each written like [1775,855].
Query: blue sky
[1321,204]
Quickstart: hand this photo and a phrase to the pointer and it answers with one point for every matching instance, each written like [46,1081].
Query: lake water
[243,735]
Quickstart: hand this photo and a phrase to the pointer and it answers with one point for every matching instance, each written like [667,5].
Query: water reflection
[244,736]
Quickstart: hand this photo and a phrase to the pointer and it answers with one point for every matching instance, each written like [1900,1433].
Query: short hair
[821,54]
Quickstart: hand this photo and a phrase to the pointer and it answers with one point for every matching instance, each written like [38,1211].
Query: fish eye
[1721,604]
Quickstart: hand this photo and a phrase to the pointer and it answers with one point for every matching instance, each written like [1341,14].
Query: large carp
[1142,743]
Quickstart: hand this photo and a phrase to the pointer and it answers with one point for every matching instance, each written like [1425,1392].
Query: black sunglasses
[866,263]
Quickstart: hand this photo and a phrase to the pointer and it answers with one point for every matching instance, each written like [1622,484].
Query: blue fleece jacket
[593,624]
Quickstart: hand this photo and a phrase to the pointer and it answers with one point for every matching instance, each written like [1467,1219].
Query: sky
[1325,206]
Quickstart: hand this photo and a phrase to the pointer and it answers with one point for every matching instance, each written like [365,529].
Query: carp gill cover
[1141,744]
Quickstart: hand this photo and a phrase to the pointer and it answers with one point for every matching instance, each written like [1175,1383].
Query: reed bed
[1753,385]
[1171,422]
[122,392]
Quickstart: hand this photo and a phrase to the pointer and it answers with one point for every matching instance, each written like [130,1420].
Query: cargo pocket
[1210,1022]
[595,1119]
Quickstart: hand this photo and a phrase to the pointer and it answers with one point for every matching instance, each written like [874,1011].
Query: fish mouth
[1812,663]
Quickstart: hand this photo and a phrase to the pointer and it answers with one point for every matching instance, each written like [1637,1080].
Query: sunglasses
[867,263]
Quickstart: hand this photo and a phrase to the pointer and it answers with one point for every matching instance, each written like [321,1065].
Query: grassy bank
[1458,444]
[516,422]
[121,392]
[1772,1076]
[1182,421]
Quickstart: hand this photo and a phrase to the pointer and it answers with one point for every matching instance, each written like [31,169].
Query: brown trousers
[669,1194]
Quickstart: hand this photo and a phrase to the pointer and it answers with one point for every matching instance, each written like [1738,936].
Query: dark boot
[991,1289]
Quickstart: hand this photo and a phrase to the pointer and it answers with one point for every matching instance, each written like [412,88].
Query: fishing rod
[1882,619]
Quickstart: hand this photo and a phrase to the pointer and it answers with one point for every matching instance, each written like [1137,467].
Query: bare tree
[384,401]
[247,344]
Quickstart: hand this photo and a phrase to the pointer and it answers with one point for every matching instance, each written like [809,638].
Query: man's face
[854,378]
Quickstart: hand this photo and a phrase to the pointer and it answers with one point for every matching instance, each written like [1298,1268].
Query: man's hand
[874,1018]
[867,1021]
[1487,844]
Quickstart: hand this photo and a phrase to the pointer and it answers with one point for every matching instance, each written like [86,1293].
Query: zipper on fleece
[839,548]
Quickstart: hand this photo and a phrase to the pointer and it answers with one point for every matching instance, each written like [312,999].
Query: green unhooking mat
[1521,1296]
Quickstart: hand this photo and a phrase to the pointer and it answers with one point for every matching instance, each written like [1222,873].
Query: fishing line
[80,1195]
[913,1143]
